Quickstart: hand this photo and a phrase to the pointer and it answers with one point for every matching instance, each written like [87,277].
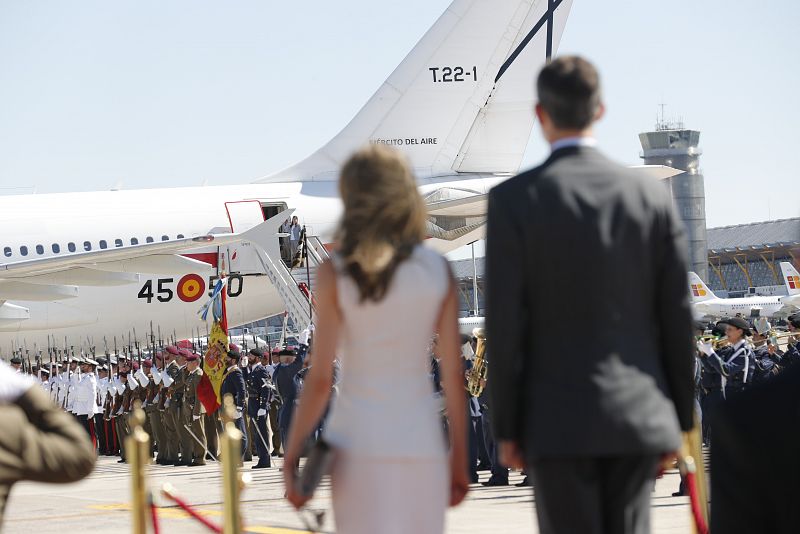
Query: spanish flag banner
[214,360]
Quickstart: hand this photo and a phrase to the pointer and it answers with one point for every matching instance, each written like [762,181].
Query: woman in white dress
[379,302]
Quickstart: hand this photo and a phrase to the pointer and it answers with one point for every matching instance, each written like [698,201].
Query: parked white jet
[705,302]
[792,280]
[86,269]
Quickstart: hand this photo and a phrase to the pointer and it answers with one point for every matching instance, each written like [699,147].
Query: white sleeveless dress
[392,473]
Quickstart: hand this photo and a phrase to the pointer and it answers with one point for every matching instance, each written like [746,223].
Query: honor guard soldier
[16,363]
[176,406]
[259,397]
[733,361]
[192,413]
[85,397]
[171,410]
[233,384]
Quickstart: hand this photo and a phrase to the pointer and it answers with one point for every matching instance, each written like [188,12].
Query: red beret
[159,355]
[148,363]
[184,352]
[192,357]
[135,366]
[172,349]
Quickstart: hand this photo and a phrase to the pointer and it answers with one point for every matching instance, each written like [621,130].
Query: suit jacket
[233,384]
[40,442]
[588,317]
[755,463]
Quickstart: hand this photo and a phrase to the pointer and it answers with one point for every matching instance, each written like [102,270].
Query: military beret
[184,352]
[148,363]
[135,366]
[172,349]
[739,323]
[257,353]
[234,347]
[192,357]
[159,355]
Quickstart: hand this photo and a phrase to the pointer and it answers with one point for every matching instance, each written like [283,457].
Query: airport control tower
[673,145]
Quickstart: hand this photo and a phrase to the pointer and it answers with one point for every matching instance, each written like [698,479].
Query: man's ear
[541,114]
[601,111]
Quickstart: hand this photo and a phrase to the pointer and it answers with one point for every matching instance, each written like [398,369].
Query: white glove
[195,418]
[156,376]
[132,384]
[166,379]
[705,347]
[238,413]
[142,378]
[261,413]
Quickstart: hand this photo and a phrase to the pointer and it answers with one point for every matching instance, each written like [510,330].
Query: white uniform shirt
[85,395]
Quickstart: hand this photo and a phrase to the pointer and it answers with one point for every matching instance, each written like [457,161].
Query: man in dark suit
[283,377]
[591,420]
[233,384]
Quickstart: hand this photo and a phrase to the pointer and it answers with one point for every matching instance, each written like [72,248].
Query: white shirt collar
[573,141]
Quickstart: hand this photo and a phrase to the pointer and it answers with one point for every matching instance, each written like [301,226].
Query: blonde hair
[384,218]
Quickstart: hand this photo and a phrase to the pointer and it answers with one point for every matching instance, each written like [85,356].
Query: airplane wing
[58,277]
[456,217]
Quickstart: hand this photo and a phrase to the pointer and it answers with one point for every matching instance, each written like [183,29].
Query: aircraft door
[242,257]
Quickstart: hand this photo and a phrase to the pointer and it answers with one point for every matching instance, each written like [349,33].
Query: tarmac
[101,503]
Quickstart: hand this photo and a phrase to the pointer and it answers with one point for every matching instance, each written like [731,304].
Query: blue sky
[96,94]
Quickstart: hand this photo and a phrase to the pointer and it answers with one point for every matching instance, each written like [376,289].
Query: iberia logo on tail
[698,291]
[793,281]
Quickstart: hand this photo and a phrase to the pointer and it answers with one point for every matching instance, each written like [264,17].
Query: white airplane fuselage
[767,306]
[115,312]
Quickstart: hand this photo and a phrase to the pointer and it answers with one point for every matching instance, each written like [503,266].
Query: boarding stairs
[295,285]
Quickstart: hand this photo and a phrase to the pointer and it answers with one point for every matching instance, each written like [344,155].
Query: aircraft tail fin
[462,100]
[699,290]
[791,278]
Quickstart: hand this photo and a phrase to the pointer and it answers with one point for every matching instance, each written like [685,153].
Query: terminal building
[742,260]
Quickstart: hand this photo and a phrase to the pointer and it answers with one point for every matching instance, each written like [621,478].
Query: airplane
[467,324]
[791,278]
[705,302]
[98,269]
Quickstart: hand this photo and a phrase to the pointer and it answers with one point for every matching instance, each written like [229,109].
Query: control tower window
[7,252]
[103,243]
[71,246]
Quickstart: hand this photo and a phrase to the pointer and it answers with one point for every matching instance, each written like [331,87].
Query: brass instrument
[477,375]
[716,343]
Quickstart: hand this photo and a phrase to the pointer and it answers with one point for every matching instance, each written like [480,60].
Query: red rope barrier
[192,512]
[694,500]
[154,514]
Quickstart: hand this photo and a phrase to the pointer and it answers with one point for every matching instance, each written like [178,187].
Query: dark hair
[569,91]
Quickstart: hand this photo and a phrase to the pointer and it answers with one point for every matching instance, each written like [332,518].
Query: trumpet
[477,375]
[774,336]
[716,342]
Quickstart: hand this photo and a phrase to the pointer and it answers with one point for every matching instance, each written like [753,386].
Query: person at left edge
[259,396]
[233,384]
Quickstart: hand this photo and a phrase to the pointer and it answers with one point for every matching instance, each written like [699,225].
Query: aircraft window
[87,245]
[134,241]
[39,249]
[180,236]
[71,246]
[118,242]
[164,238]
[56,248]
[23,250]
[103,243]
[7,252]
[149,239]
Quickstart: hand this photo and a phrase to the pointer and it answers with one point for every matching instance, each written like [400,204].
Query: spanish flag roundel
[190,288]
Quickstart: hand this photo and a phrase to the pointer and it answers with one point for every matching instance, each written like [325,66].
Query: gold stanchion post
[137,451]
[230,457]
[692,457]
